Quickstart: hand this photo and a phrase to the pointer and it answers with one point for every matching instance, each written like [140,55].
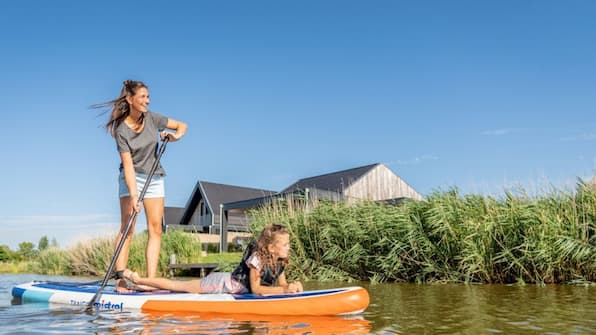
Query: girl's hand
[294,287]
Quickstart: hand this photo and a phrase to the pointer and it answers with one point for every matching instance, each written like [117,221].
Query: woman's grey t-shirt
[142,146]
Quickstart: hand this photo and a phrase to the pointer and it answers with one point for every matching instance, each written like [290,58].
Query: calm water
[394,309]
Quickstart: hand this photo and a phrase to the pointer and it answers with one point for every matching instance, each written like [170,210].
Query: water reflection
[166,323]
[53,318]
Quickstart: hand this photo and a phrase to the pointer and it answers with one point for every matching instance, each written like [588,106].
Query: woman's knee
[125,222]
[130,232]
[154,232]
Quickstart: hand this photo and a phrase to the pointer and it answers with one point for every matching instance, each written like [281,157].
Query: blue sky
[478,95]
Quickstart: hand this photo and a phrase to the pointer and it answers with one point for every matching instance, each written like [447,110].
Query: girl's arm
[283,286]
[131,179]
[178,126]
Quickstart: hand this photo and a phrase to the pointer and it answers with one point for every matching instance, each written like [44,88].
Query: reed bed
[92,258]
[448,237]
[14,267]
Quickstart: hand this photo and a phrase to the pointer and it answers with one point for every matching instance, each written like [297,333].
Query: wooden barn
[373,182]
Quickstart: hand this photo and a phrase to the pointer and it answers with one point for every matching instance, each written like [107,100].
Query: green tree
[54,242]
[5,253]
[26,250]
[43,243]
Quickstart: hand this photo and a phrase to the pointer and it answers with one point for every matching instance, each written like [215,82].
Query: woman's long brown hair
[119,107]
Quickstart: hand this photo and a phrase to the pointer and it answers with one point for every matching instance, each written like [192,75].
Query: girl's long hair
[119,107]
[266,238]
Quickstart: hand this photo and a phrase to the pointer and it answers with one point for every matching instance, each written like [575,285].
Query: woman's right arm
[131,179]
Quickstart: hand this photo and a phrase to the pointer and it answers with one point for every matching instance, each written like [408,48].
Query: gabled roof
[335,181]
[216,194]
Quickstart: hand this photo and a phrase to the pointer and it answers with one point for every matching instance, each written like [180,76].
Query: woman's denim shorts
[156,188]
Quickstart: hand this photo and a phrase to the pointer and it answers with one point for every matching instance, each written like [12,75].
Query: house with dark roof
[216,207]
[202,210]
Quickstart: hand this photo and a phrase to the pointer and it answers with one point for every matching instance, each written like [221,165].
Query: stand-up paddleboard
[337,301]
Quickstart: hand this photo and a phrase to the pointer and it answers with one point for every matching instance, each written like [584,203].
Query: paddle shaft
[133,215]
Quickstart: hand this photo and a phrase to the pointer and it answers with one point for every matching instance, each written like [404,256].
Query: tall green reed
[448,237]
[91,258]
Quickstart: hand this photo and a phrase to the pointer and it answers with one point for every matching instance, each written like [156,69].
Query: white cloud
[581,137]
[501,132]
[56,220]
[67,229]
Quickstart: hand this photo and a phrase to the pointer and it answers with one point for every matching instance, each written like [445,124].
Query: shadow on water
[394,309]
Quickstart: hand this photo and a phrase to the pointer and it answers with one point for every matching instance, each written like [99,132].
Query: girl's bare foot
[122,286]
[131,275]
[134,277]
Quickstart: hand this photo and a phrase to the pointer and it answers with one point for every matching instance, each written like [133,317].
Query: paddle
[133,215]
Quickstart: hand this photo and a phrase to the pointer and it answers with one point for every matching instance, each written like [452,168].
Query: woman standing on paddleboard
[137,132]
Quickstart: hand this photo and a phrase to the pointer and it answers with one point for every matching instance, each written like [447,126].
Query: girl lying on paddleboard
[261,270]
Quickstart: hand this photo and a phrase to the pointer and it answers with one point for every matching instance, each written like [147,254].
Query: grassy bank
[449,237]
[92,258]
[14,267]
